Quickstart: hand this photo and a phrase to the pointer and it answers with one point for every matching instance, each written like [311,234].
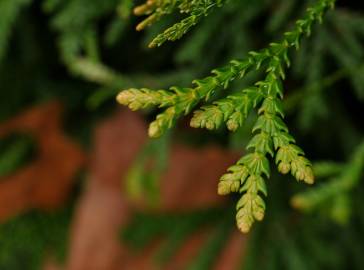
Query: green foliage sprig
[343,179]
[9,11]
[271,135]
[155,9]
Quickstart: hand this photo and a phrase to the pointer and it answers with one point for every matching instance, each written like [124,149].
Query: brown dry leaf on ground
[103,209]
[45,183]
[191,179]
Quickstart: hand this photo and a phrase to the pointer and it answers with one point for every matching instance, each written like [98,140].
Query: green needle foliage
[271,137]
[336,191]
[26,239]
[83,52]
[144,229]
[155,9]
[9,11]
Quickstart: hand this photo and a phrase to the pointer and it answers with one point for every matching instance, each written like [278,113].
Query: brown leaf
[102,210]
[95,231]
[188,184]
[232,255]
[46,182]
[117,142]
[191,178]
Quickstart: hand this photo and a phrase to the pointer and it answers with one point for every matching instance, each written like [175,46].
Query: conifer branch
[156,9]
[271,135]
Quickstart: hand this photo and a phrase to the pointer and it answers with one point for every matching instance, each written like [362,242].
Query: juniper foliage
[271,135]
[323,95]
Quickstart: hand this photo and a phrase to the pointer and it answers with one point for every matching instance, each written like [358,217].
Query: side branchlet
[156,9]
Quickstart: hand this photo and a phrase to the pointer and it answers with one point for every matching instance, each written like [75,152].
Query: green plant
[155,9]
[83,52]
[343,179]
[270,134]
[46,233]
